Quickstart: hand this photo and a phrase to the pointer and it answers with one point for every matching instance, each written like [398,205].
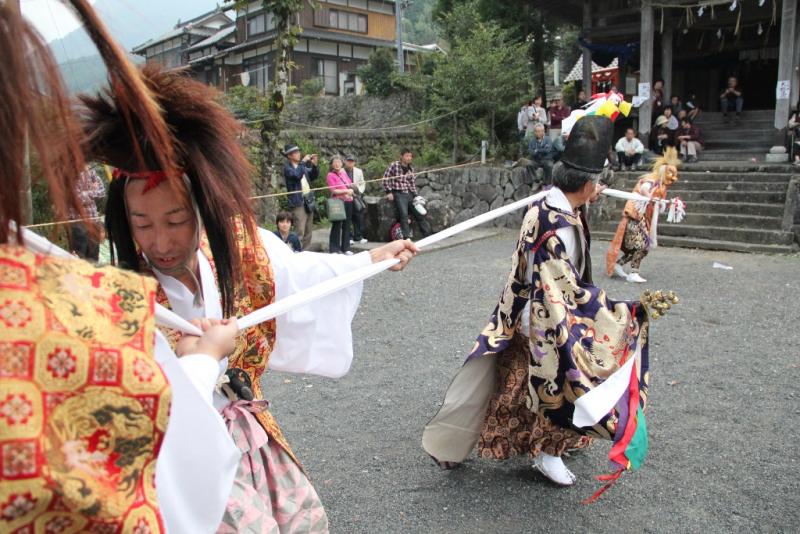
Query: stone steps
[758,197]
[723,185]
[721,233]
[731,205]
[711,244]
[732,220]
[732,166]
[727,154]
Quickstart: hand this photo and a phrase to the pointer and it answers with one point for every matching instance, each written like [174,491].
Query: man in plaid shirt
[90,188]
[399,182]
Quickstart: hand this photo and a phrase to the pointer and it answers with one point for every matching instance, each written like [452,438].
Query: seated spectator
[672,120]
[794,127]
[541,151]
[682,114]
[284,231]
[690,141]
[660,136]
[691,107]
[629,151]
[676,105]
[559,145]
[731,99]
[558,112]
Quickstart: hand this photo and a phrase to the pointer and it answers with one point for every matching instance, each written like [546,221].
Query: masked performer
[202,245]
[102,428]
[637,229]
[552,339]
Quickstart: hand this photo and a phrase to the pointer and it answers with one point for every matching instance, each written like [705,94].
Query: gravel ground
[723,413]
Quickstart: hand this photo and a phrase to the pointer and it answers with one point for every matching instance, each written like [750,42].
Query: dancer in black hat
[552,338]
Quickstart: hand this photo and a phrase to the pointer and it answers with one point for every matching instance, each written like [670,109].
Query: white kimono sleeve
[198,459]
[315,338]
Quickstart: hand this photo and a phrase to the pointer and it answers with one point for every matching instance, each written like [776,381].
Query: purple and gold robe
[578,338]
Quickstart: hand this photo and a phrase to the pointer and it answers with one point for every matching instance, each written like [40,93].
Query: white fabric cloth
[522,119]
[358,180]
[314,339]
[198,459]
[623,145]
[556,199]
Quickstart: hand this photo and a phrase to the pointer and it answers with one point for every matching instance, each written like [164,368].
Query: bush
[247,103]
[312,87]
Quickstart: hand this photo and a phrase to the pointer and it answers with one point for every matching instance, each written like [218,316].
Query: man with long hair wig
[194,230]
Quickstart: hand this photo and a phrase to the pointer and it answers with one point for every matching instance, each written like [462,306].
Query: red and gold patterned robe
[83,404]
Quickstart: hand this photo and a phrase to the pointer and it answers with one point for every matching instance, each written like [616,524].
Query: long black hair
[205,142]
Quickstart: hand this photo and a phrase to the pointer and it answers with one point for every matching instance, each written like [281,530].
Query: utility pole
[25,195]
[398,15]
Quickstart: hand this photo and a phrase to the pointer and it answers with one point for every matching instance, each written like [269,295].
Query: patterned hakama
[511,428]
[271,494]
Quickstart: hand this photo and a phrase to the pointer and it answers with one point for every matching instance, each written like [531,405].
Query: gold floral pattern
[74,436]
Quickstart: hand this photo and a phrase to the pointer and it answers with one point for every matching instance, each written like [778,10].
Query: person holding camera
[299,171]
[400,184]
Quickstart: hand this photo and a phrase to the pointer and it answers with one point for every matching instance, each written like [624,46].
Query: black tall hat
[589,143]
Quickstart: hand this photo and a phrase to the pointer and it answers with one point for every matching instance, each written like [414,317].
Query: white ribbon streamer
[168,319]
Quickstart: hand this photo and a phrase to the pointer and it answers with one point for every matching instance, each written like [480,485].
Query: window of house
[328,71]
[257,74]
[260,23]
[341,20]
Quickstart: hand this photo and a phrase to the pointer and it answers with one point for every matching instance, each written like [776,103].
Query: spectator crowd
[346,207]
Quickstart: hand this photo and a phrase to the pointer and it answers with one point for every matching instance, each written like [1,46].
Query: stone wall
[364,145]
[456,195]
[351,111]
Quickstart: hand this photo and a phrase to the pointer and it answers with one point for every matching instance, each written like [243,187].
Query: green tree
[526,23]
[481,76]
[380,76]
[418,24]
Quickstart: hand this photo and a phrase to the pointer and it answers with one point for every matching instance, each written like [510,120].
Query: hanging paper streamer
[677,210]
[733,6]
[760,29]
[701,10]
[761,3]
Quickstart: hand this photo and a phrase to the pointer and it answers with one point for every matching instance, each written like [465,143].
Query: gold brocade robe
[255,290]
[83,404]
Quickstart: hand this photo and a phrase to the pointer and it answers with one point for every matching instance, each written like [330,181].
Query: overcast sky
[54,20]
[50,17]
